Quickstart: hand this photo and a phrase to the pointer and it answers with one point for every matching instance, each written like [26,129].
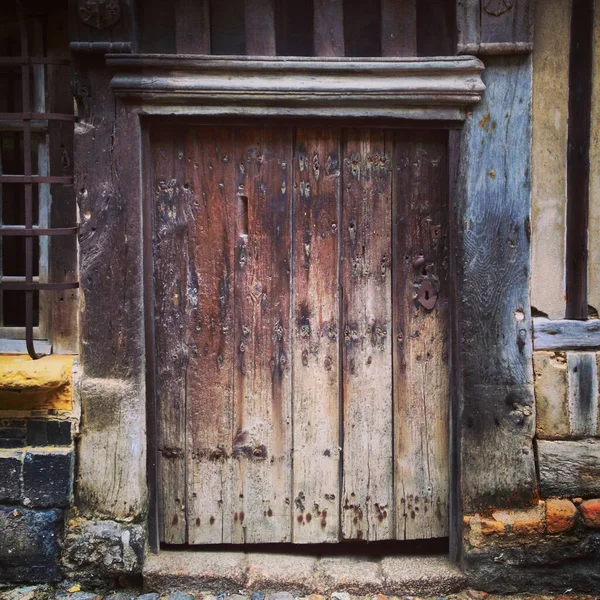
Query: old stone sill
[220,571]
[46,383]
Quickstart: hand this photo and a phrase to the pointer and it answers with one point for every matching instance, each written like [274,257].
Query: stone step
[231,572]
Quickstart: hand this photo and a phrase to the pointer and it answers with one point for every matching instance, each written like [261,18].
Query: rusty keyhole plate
[427,296]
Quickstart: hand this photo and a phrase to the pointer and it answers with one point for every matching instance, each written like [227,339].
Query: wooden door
[301,333]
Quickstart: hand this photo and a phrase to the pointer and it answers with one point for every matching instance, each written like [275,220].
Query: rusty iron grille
[24,121]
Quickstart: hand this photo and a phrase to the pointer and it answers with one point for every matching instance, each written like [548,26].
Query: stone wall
[38,424]
[555,544]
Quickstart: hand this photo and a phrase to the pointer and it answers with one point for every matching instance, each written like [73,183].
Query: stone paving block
[190,571]
[29,544]
[421,575]
[292,573]
[349,574]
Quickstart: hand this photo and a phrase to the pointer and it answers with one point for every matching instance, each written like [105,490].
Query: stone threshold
[235,572]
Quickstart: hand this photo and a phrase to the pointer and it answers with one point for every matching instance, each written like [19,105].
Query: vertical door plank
[209,194]
[170,280]
[260,27]
[262,444]
[316,173]
[421,329]
[398,28]
[594,209]
[367,499]
[192,26]
[549,156]
[329,28]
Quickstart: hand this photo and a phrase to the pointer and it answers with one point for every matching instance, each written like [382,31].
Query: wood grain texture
[171,297]
[398,28]
[594,207]
[262,385]
[495,26]
[260,27]
[315,335]
[107,180]
[549,156]
[192,26]
[62,250]
[421,335]
[569,468]
[209,192]
[565,334]
[493,219]
[329,28]
[506,21]
[583,393]
[367,495]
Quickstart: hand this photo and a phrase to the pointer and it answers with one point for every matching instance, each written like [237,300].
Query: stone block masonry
[37,423]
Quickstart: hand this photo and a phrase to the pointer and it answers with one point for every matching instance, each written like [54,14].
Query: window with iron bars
[37,203]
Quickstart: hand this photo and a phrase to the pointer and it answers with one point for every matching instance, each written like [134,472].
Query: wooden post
[492,211]
[398,28]
[260,27]
[329,28]
[192,26]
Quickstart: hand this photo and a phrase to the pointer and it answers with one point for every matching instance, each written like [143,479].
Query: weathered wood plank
[192,26]
[260,27]
[495,26]
[594,208]
[493,211]
[421,335]
[565,334]
[506,21]
[315,336]
[294,28]
[171,297]
[549,156]
[329,28]
[209,204]
[398,28]
[108,184]
[262,385]
[62,249]
[436,28]
[583,393]
[569,468]
[367,496]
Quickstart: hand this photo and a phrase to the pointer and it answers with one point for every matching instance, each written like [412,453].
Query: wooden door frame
[438,91]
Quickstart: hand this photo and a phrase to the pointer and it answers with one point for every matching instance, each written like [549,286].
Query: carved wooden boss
[295,270]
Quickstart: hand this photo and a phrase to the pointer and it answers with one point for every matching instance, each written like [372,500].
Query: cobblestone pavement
[72,591]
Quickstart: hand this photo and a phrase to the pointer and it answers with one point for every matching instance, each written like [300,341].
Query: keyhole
[426,294]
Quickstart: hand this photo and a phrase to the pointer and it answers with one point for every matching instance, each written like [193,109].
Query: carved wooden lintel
[101,26]
[495,26]
[412,88]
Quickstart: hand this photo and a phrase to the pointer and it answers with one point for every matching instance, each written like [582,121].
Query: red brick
[560,515]
[590,511]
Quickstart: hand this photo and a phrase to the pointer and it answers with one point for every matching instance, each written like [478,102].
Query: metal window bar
[29,284]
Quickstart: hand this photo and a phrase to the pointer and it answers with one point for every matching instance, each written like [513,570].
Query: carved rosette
[99,13]
[497,7]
